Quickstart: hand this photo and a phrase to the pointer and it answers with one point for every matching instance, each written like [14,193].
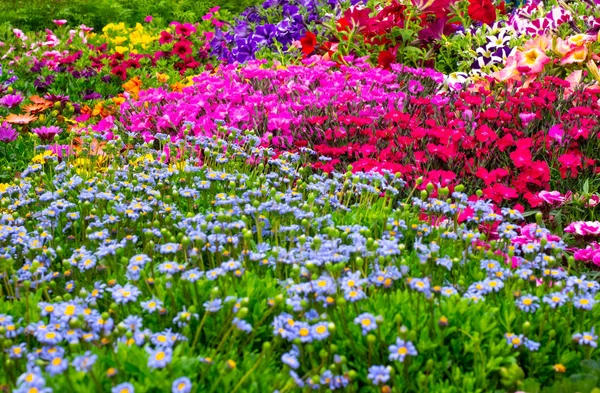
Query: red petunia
[385,59]
[482,11]
[182,48]
[309,41]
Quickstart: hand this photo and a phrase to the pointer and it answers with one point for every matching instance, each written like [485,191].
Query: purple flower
[11,100]
[92,96]
[7,133]
[47,134]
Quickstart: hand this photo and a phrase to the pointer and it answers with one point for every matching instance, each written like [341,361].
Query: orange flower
[118,100]
[98,108]
[177,86]
[23,119]
[133,86]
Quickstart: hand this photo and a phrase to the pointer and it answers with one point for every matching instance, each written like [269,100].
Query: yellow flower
[41,158]
[162,78]
[145,158]
[119,40]
[121,49]
[4,187]
[559,368]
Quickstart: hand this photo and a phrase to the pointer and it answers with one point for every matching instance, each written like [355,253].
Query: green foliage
[35,15]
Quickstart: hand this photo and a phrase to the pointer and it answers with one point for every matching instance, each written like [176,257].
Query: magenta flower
[59,22]
[551,197]
[7,133]
[11,100]
[148,19]
[47,133]
[584,228]
[60,150]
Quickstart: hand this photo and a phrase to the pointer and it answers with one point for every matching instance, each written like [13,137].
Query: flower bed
[311,195]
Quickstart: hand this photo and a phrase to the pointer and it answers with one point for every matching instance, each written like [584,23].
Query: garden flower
[514,340]
[584,302]
[57,365]
[401,349]
[551,197]
[379,374]
[367,322]
[583,228]
[125,387]
[555,299]
[47,134]
[528,303]
[160,357]
[181,385]
[586,338]
[7,133]
[11,100]
[85,361]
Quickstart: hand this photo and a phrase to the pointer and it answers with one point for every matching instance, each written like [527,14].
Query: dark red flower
[385,59]
[120,71]
[165,37]
[182,48]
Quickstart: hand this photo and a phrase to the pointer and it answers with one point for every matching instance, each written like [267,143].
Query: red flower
[309,41]
[569,162]
[385,58]
[482,11]
[182,49]
[165,37]
[120,71]
[520,157]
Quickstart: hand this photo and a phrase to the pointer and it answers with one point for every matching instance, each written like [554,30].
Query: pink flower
[59,22]
[551,197]
[576,55]
[533,59]
[526,118]
[20,35]
[584,228]
[214,9]
[556,132]
[148,19]
[593,201]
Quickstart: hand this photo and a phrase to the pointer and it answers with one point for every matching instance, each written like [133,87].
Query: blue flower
[379,374]
[586,338]
[320,331]
[125,294]
[213,305]
[401,349]
[125,387]
[159,358]
[85,361]
[181,385]
[291,358]
[584,302]
[528,303]
[57,365]
[366,322]
[555,299]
